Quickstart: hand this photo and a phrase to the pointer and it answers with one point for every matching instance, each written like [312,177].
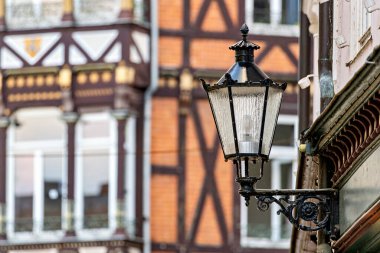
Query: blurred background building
[342,143]
[107,143]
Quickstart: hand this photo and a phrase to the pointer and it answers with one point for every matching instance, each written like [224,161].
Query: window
[23,14]
[96,199]
[52,189]
[96,12]
[261,11]
[35,168]
[360,27]
[96,160]
[95,191]
[272,17]
[267,229]
[24,189]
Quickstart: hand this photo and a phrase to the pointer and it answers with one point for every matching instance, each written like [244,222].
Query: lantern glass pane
[248,107]
[273,107]
[220,106]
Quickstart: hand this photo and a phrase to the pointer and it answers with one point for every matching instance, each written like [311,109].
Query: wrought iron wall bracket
[308,210]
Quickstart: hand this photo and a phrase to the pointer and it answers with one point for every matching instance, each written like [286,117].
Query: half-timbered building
[191,184]
[73,72]
[107,143]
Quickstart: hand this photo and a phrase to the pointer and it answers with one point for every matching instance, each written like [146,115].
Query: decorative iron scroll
[313,210]
[306,209]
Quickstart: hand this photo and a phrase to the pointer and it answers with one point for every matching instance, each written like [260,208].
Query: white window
[272,17]
[23,14]
[95,169]
[96,174]
[35,188]
[267,229]
[360,27]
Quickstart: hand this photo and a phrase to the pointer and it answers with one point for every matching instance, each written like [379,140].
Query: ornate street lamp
[245,104]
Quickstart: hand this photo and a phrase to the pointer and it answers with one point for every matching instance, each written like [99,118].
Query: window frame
[277,158]
[272,28]
[85,144]
[102,144]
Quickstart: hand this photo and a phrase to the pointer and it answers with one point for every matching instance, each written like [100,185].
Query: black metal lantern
[245,105]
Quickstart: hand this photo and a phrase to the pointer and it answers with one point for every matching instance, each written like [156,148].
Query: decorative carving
[82,78]
[29,81]
[40,80]
[94,92]
[64,78]
[50,79]
[94,77]
[127,5]
[359,132]
[68,6]
[107,76]
[124,74]
[20,81]
[34,96]
[10,82]
[185,86]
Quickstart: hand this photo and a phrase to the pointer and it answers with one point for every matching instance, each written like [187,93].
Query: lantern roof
[245,69]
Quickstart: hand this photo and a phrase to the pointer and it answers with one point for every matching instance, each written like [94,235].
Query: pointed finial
[244,31]
[244,43]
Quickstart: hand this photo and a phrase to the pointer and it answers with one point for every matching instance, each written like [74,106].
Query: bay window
[37,175]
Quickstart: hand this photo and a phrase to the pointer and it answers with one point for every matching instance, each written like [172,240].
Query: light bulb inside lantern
[247,144]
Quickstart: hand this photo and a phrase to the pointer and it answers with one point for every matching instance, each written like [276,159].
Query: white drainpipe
[147,124]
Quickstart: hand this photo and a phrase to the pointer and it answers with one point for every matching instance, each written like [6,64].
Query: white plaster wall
[346,66]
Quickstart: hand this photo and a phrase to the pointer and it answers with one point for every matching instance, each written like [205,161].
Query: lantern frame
[229,83]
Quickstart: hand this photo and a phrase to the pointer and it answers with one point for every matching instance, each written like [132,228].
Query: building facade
[73,80]
[342,143]
[202,210]
[107,143]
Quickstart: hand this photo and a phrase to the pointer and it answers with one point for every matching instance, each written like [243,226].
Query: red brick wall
[203,54]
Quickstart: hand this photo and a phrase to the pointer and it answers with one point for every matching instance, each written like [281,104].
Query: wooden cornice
[349,127]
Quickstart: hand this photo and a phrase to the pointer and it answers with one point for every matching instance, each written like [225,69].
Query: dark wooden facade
[51,76]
